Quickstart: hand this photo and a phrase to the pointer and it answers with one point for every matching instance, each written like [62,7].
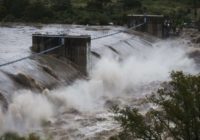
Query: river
[63,104]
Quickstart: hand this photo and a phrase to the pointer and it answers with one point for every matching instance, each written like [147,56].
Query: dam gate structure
[76,49]
[154,24]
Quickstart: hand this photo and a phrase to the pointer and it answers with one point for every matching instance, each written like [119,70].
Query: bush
[9,18]
[3,11]
[89,11]
[38,11]
[14,136]
[177,115]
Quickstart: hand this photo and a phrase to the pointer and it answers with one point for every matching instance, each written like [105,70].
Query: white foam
[110,79]
[26,113]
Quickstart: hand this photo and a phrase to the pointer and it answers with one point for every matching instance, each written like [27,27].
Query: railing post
[36,40]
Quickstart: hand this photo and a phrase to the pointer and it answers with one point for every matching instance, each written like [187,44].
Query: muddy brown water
[50,97]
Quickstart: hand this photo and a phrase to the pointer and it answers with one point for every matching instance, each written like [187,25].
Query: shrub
[37,11]
[14,136]
[177,113]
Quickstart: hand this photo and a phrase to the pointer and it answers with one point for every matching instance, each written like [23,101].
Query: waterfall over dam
[51,97]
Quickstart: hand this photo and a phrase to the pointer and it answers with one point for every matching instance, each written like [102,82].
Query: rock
[193,35]
[197,39]
[72,111]
[27,81]
[112,103]
[45,91]
[3,103]
[195,55]
[50,71]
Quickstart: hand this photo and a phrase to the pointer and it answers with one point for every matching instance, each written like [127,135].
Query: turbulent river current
[49,97]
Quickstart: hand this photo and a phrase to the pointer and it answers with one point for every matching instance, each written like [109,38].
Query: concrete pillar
[154,24]
[77,50]
[160,30]
[36,43]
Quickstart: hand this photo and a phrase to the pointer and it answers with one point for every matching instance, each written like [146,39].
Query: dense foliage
[14,136]
[89,11]
[176,114]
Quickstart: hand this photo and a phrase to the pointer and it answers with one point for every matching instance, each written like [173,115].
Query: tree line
[83,12]
[65,11]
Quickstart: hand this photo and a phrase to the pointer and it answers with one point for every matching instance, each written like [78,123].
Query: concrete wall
[44,42]
[75,48]
[153,25]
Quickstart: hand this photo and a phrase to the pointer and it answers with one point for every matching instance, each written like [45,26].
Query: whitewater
[124,68]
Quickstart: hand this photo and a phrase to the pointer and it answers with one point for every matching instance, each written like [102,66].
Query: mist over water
[111,81]
[26,113]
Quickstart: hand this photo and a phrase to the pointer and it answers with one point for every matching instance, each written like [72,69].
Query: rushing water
[125,68]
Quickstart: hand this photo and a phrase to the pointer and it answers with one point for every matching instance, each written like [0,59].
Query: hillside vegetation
[91,11]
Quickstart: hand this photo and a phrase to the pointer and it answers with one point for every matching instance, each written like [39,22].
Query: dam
[50,96]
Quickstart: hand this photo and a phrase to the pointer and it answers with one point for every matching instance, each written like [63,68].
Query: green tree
[177,115]
[15,7]
[14,136]
[97,4]
[131,4]
[38,11]
[3,11]
[61,5]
